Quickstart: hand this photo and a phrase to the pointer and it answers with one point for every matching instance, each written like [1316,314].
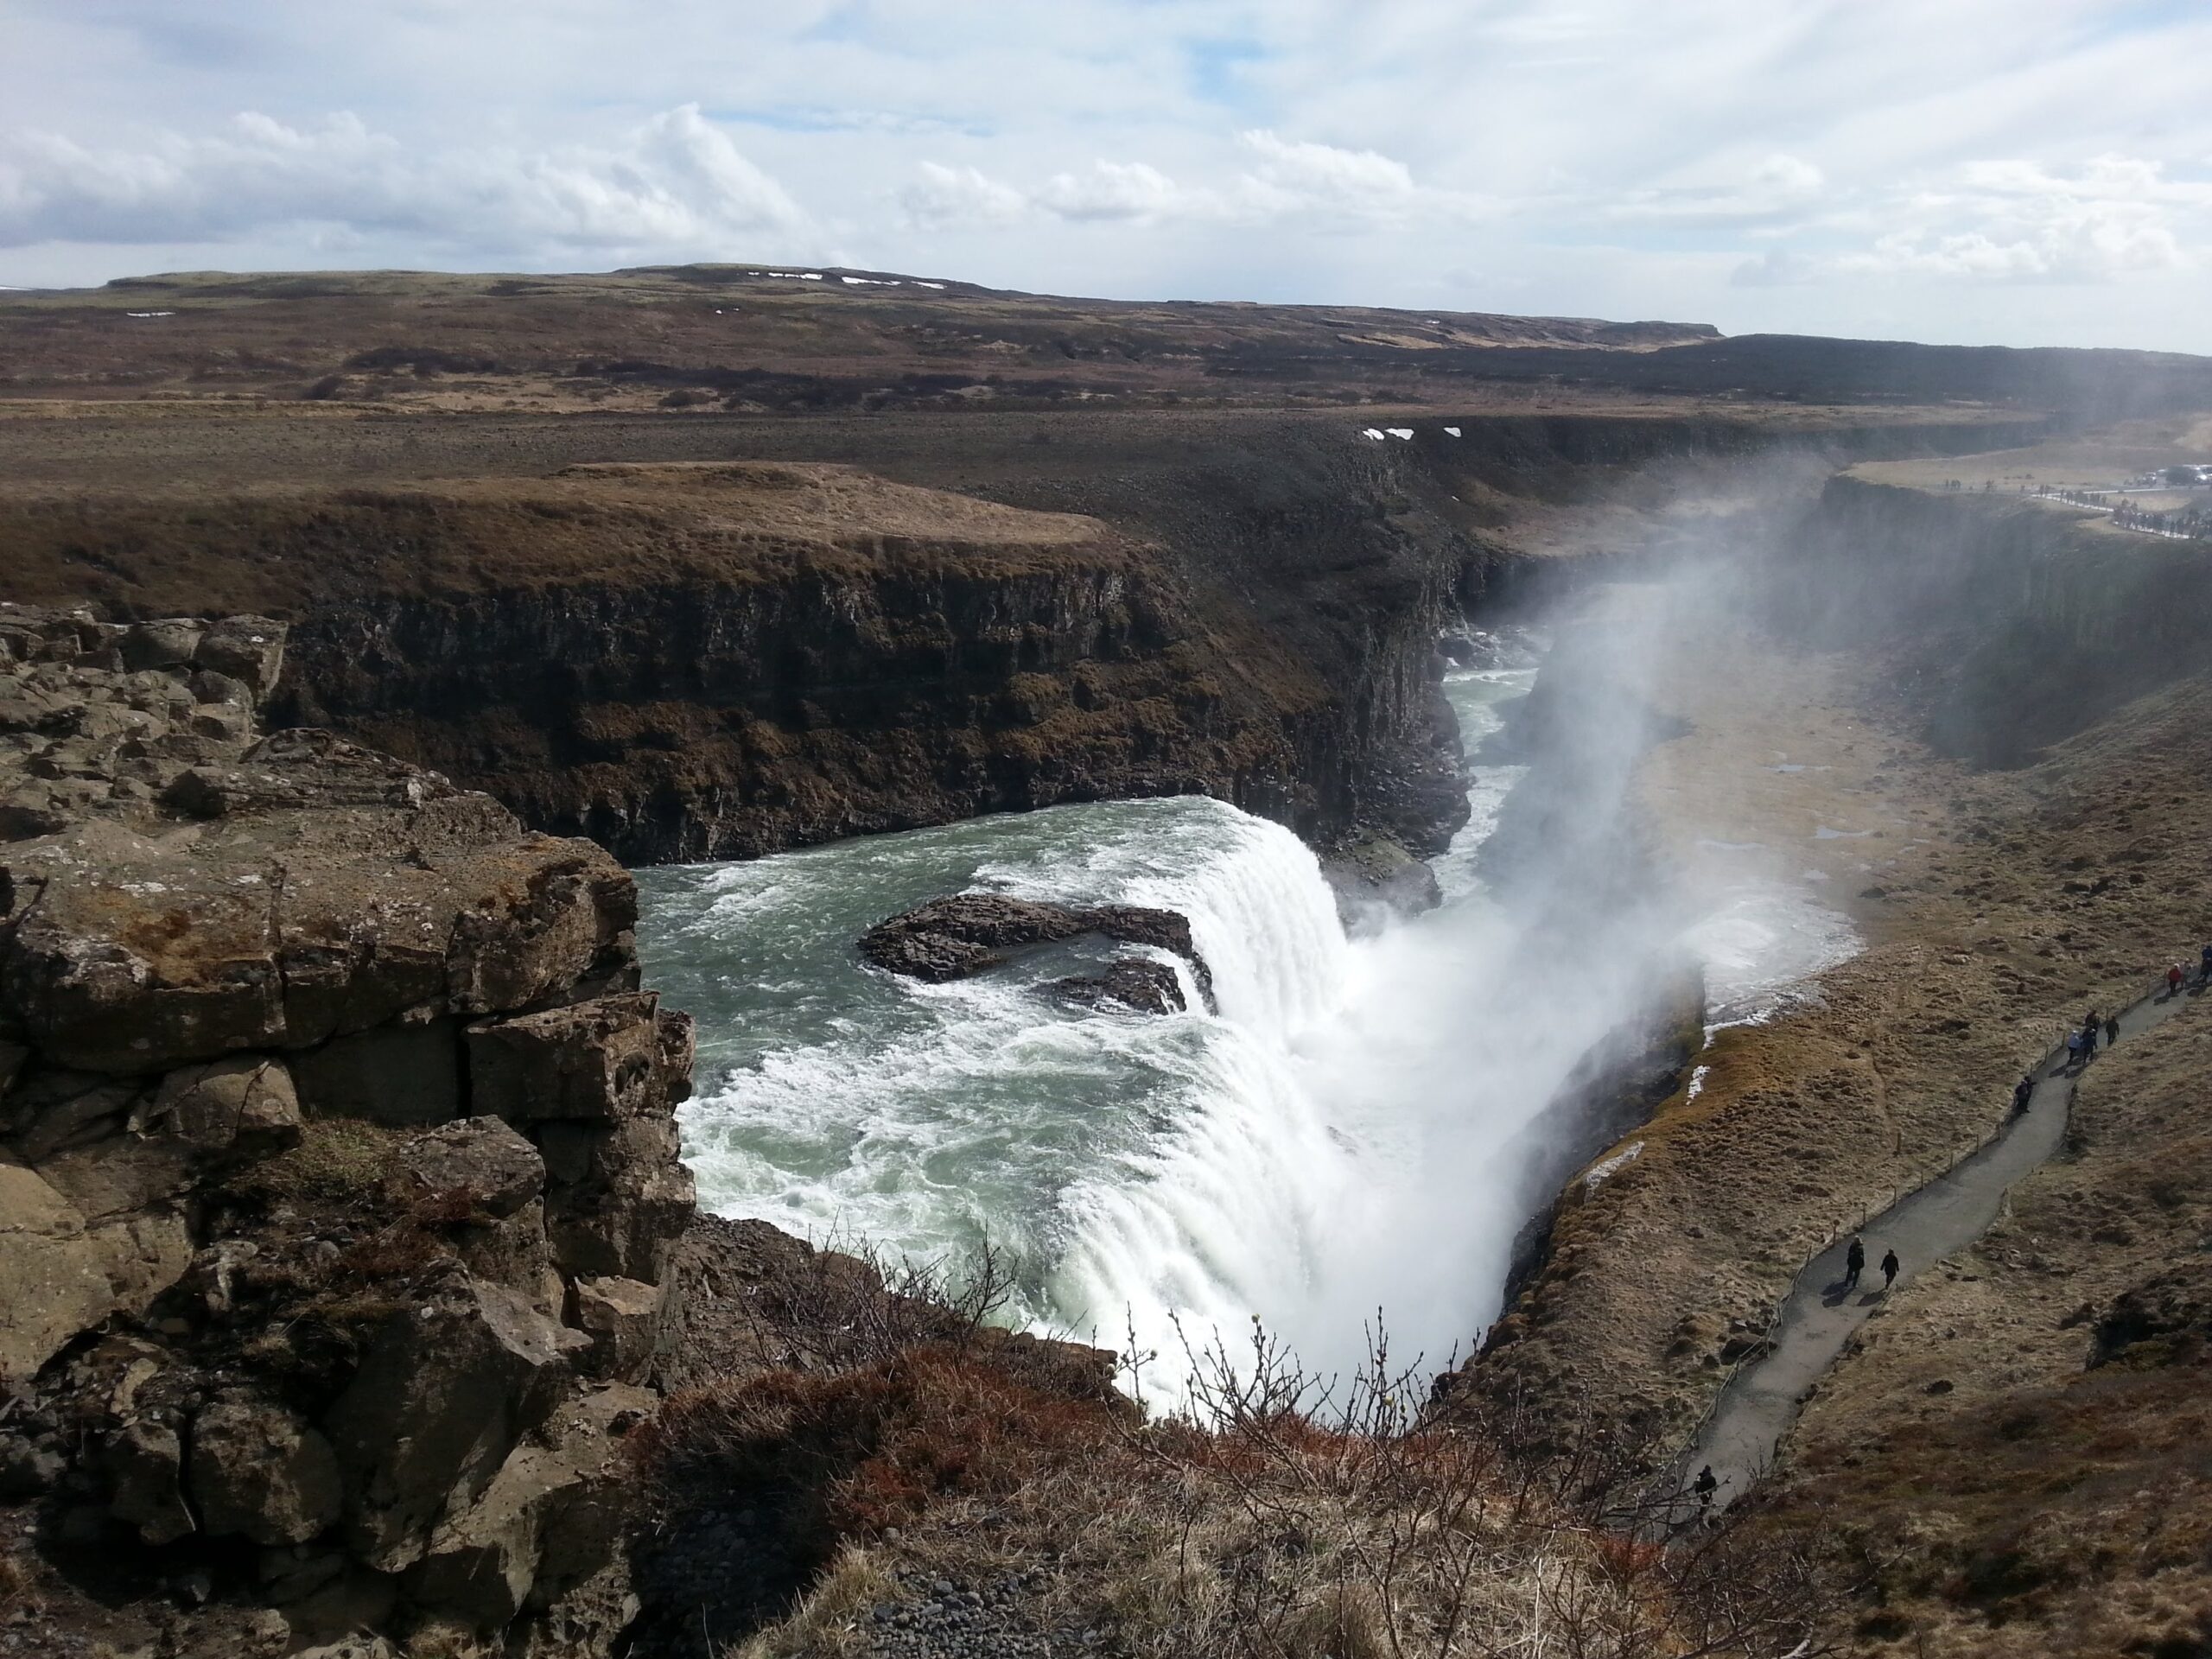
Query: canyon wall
[2010,624]
[700,660]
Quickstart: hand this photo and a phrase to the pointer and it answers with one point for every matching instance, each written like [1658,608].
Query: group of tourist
[2082,1044]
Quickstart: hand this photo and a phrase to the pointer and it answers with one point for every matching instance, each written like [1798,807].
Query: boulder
[598,1061]
[209,687]
[119,1179]
[620,1197]
[57,1109]
[168,642]
[327,890]
[28,1468]
[248,649]
[1139,984]
[223,723]
[482,1157]
[1373,876]
[244,1104]
[567,921]
[49,1286]
[263,1471]
[552,1516]
[58,1276]
[442,1398]
[108,979]
[971,932]
[678,1036]
[624,1319]
[496,1179]
[144,1461]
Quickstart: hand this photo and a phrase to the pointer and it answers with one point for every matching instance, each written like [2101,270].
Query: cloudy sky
[2013,171]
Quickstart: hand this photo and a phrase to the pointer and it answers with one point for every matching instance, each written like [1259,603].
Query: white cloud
[947,198]
[1606,157]
[1292,175]
[1285,180]
[1117,190]
[675,181]
[2013,220]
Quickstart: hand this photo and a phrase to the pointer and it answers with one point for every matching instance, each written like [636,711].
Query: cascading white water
[1350,1130]
[1261,914]
[1139,1165]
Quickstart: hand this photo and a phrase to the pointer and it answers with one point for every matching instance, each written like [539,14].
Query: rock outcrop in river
[971,933]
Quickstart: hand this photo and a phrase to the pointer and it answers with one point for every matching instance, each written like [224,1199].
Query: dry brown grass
[1266,1522]
[283,549]
[2018,1457]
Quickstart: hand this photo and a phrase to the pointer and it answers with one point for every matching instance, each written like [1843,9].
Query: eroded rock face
[972,932]
[260,1278]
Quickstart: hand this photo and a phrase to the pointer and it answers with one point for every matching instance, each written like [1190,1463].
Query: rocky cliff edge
[338,1186]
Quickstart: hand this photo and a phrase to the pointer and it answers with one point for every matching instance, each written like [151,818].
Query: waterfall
[1261,914]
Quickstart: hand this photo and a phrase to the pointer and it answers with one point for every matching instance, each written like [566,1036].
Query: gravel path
[1821,1315]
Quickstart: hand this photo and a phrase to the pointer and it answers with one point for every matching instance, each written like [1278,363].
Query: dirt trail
[1820,1316]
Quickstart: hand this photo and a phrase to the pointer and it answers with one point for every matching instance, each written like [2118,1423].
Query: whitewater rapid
[1347,1134]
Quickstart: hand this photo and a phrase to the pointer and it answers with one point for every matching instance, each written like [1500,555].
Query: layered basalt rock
[971,933]
[338,1185]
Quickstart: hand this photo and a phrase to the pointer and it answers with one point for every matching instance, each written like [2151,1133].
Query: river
[1339,1138]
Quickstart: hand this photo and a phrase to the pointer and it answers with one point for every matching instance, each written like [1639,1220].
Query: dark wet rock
[972,932]
[1374,876]
[1134,982]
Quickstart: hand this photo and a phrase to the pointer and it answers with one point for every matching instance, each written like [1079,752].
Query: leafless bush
[1359,1516]
[1270,1514]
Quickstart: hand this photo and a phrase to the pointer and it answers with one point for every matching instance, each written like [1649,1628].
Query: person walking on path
[2023,1092]
[2174,977]
[2090,1027]
[2073,1048]
[2204,971]
[1704,1485]
[1854,1263]
[1889,1264]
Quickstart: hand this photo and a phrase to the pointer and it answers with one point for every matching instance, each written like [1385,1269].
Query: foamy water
[1340,1136]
